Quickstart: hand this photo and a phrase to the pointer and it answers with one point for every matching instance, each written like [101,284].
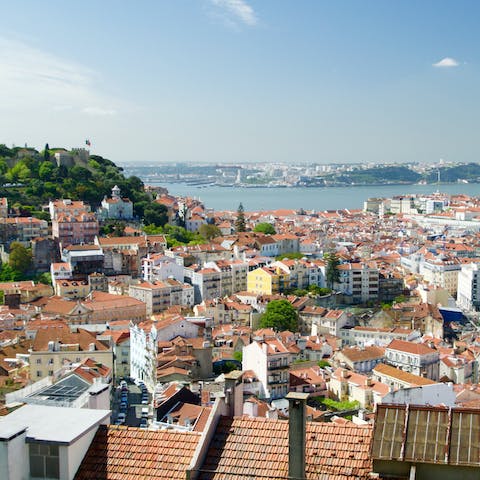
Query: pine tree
[332,273]
[46,153]
[240,221]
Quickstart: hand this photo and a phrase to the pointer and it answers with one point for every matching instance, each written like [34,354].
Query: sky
[295,81]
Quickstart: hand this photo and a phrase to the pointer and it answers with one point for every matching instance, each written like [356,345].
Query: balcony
[278,366]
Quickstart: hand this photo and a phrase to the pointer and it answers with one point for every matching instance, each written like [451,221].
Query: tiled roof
[258,448]
[406,377]
[409,347]
[126,453]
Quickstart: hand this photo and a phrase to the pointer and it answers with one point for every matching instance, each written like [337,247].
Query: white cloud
[446,62]
[237,11]
[33,79]
[98,111]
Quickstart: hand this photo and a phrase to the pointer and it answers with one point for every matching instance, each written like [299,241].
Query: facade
[54,347]
[22,229]
[366,336]
[414,358]
[206,282]
[268,280]
[270,360]
[468,294]
[359,280]
[143,353]
[397,379]
[157,267]
[159,296]
[316,320]
[116,207]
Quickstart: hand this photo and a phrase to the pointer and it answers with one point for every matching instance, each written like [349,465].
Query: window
[44,461]
[39,361]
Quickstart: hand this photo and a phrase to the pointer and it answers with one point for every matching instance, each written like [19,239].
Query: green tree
[46,153]
[208,231]
[316,290]
[8,274]
[20,258]
[280,315]
[18,173]
[156,214]
[332,273]
[238,356]
[46,170]
[240,225]
[266,228]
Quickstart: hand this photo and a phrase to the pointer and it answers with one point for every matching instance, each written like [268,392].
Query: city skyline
[243,80]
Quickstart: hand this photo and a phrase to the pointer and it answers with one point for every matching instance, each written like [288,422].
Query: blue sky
[244,80]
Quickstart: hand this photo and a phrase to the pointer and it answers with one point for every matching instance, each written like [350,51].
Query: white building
[143,353]
[37,441]
[414,358]
[468,293]
[160,267]
[360,280]
[116,207]
[365,336]
[270,360]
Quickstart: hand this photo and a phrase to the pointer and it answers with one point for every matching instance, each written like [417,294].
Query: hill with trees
[29,179]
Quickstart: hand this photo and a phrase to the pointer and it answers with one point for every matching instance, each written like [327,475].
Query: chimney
[234,393]
[296,434]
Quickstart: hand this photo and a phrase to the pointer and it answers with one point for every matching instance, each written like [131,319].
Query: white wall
[76,451]
[14,461]
[425,395]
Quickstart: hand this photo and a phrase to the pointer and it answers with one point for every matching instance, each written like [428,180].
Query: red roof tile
[122,453]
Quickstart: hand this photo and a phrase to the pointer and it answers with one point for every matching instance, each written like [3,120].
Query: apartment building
[22,229]
[160,295]
[365,336]
[54,347]
[270,360]
[206,282]
[359,280]
[415,358]
[160,267]
[268,280]
[315,320]
[468,292]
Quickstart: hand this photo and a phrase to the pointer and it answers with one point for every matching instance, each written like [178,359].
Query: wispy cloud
[98,111]
[236,12]
[32,78]
[446,62]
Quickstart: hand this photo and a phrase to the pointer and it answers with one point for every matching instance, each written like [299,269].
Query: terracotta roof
[126,453]
[409,347]
[356,354]
[258,448]
[413,380]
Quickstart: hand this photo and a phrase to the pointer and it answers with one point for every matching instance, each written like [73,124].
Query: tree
[280,315]
[266,228]
[240,221]
[46,153]
[332,274]
[20,258]
[156,214]
[208,231]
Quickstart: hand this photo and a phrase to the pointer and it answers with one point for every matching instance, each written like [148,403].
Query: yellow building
[268,280]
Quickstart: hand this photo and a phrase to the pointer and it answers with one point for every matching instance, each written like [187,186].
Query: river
[320,198]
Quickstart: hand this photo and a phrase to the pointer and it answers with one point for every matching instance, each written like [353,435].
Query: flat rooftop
[51,424]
